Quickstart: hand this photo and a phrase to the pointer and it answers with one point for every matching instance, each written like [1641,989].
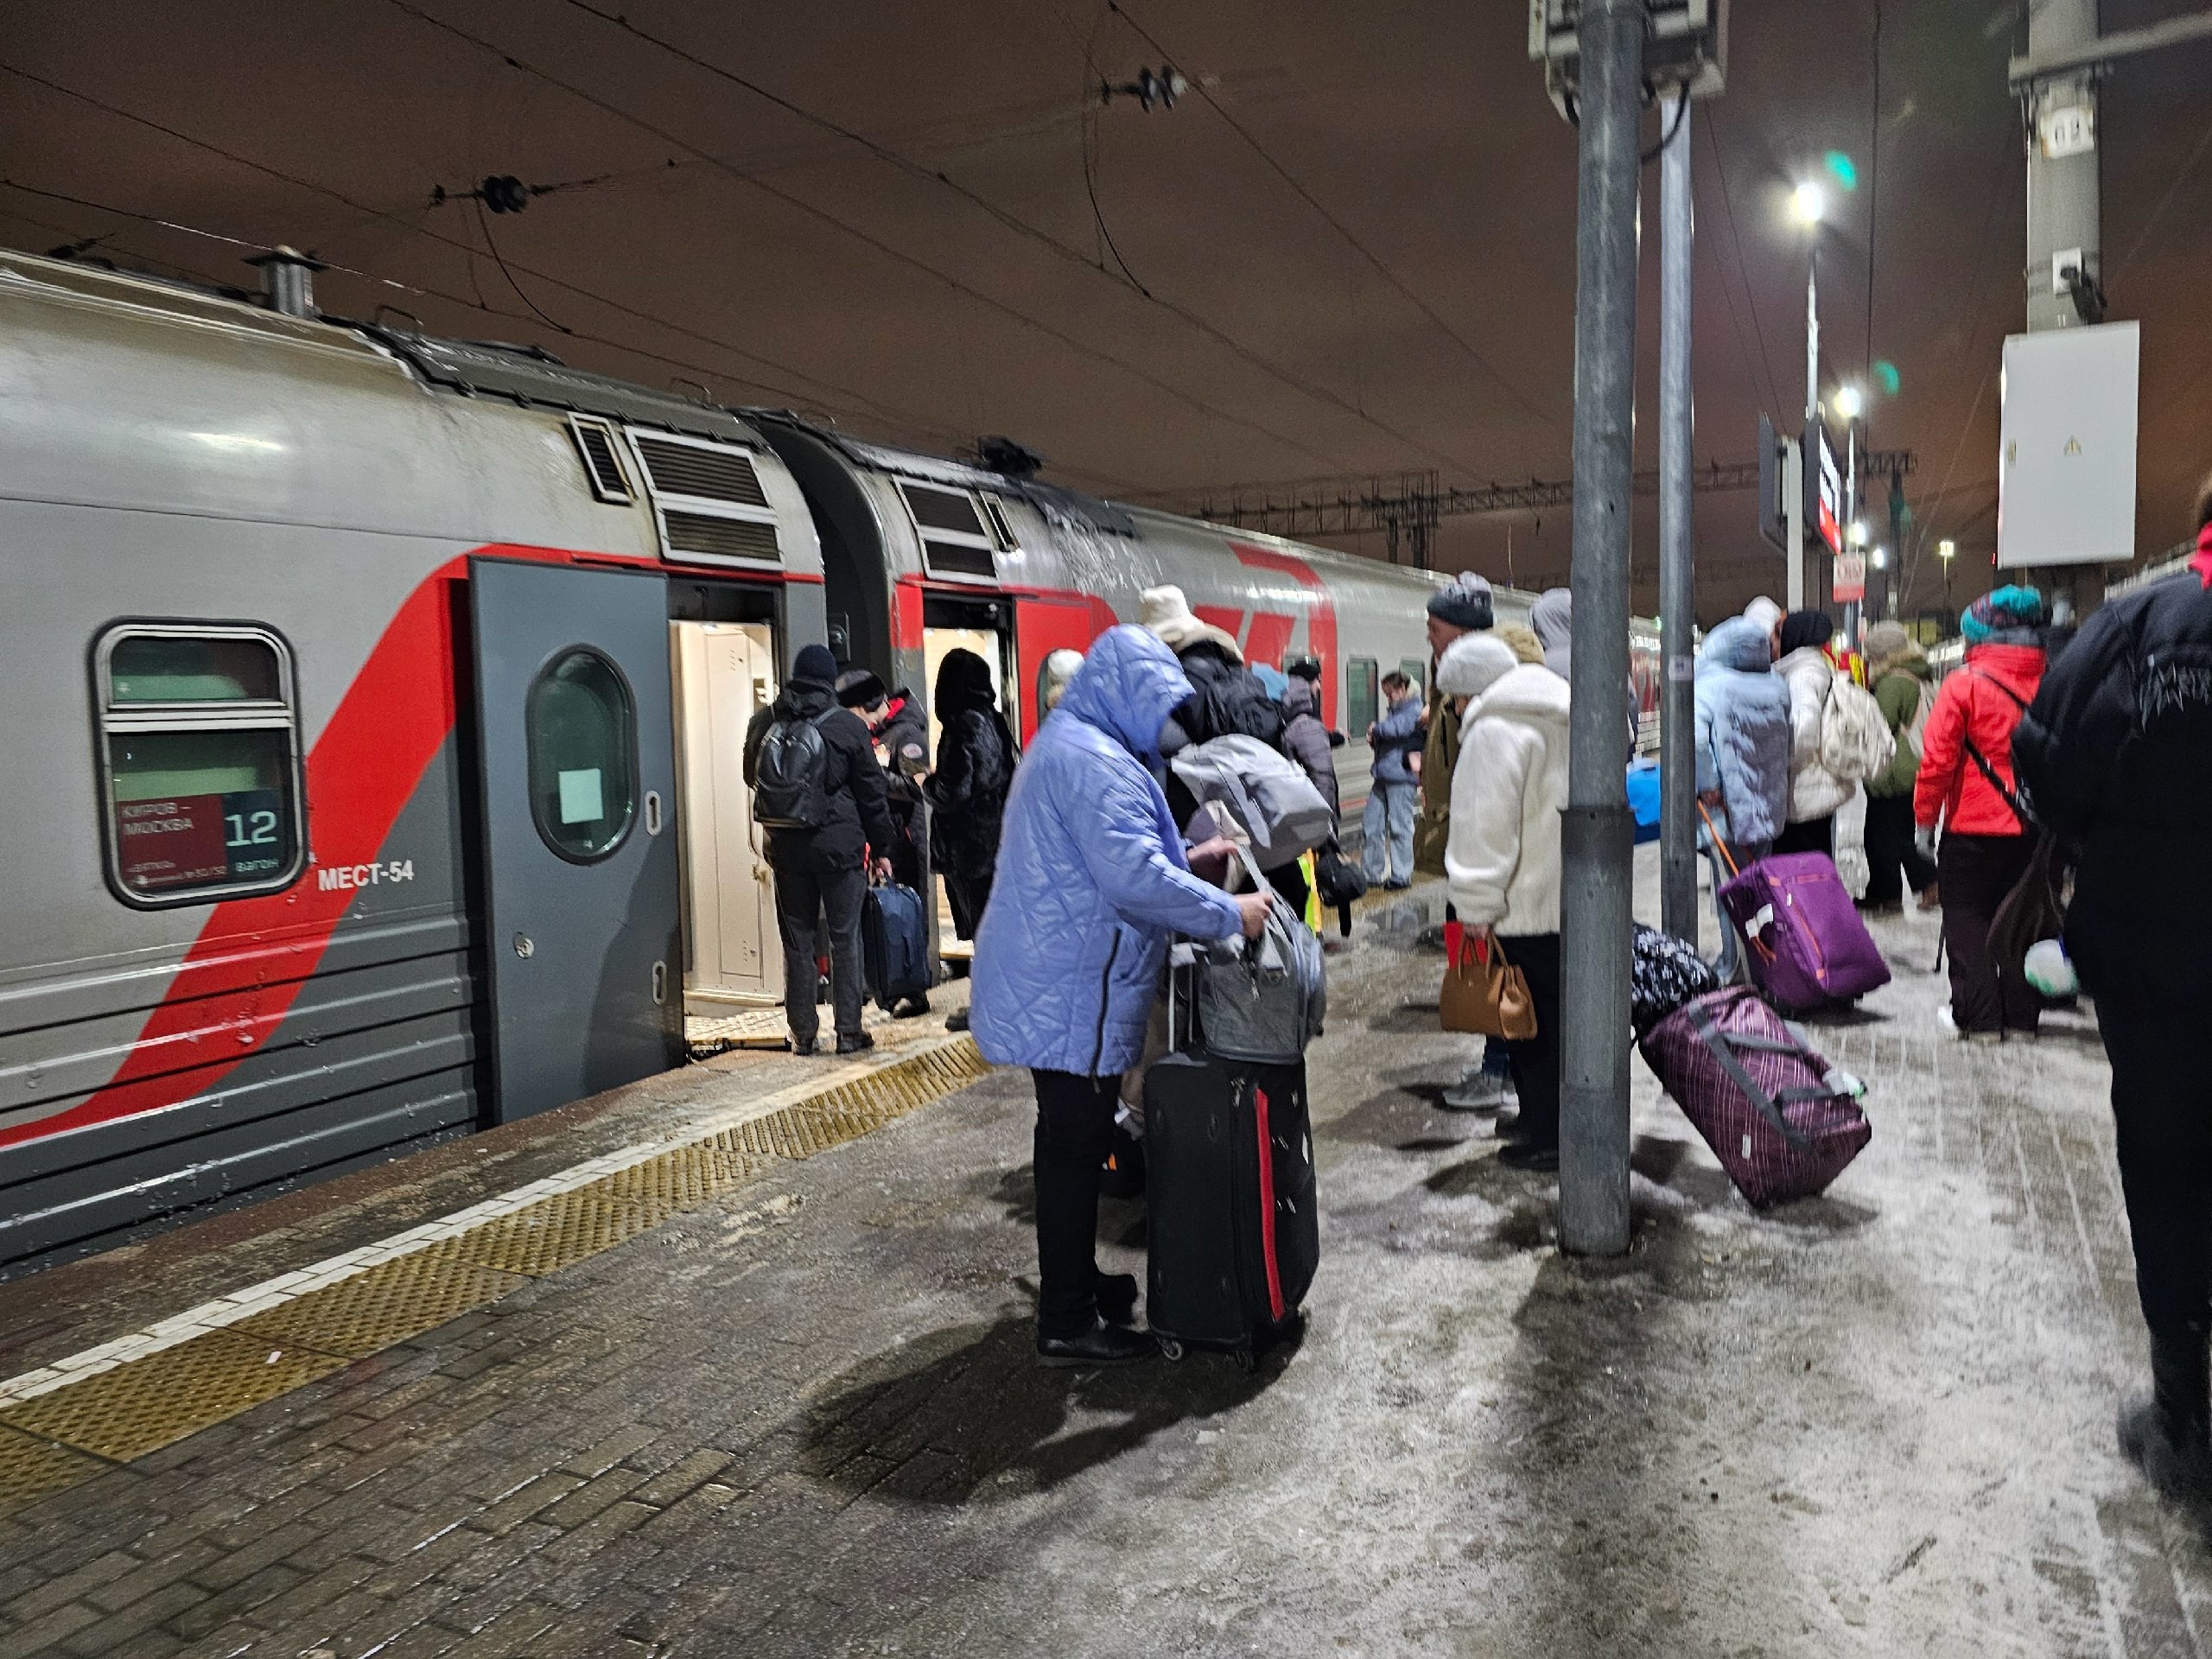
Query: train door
[725,671]
[1041,627]
[576,766]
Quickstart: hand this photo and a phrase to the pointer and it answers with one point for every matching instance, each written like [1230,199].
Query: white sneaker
[1478,1092]
[1949,1022]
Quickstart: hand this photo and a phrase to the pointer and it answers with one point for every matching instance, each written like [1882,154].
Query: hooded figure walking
[967,791]
[1092,879]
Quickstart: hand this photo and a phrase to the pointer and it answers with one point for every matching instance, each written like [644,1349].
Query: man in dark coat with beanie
[821,870]
[1462,606]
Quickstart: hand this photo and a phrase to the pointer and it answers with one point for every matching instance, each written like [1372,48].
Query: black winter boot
[2168,1436]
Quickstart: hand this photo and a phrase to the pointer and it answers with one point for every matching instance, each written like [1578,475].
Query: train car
[344,747]
[922,555]
[376,762]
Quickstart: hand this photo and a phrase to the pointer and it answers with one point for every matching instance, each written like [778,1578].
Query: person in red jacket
[1966,782]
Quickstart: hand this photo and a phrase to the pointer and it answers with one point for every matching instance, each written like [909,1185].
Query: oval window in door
[582,732]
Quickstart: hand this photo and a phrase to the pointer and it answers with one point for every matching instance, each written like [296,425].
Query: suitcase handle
[1722,1046]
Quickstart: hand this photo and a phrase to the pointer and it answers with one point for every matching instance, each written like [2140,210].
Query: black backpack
[790,779]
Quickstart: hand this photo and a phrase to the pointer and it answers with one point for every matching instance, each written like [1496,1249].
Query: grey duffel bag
[1261,1000]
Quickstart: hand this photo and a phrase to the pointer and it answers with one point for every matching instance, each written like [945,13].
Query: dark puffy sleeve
[2065,748]
[863,777]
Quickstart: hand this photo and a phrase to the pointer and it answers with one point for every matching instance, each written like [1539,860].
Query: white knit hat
[1167,613]
[1472,664]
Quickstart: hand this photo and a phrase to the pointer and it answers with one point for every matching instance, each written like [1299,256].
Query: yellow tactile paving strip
[129,1409]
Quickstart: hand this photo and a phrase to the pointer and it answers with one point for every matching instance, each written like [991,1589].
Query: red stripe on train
[254,956]
[1320,620]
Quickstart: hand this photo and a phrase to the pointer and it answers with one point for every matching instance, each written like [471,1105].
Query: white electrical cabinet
[2066,461]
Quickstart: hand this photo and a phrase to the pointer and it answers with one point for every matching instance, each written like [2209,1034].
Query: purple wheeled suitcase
[1807,945]
[1763,1101]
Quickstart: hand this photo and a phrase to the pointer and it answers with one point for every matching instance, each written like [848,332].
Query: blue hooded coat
[1743,731]
[1091,878]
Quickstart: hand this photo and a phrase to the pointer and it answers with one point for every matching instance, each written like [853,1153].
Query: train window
[996,511]
[199,749]
[954,540]
[1417,671]
[582,730]
[1360,694]
[602,460]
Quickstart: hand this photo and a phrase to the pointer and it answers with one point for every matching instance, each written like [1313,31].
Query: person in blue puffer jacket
[1743,754]
[1092,881]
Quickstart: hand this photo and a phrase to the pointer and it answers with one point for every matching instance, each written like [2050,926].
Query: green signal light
[1886,373]
[1841,165]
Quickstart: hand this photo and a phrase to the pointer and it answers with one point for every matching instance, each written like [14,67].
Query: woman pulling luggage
[1815,792]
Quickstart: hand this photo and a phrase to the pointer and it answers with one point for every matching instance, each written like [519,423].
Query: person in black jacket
[967,793]
[820,871]
[2114,757]
[900,728]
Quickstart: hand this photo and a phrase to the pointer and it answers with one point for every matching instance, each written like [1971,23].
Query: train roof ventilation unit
[708,500]
[955,540]
[602,460]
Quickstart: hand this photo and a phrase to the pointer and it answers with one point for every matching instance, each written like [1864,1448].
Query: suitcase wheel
[1170,1349]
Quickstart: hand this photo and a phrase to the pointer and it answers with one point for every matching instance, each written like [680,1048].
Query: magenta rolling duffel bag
[1807,945]
[1760,1097]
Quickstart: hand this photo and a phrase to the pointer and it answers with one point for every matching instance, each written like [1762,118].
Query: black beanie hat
[858,688]
[815,662]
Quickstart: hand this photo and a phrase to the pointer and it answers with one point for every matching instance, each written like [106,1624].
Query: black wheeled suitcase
[1235,1236]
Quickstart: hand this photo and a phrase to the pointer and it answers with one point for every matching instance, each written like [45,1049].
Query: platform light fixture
[1947,550]
[1849,403]
[1881,558]
[1859,532]
[1808,204]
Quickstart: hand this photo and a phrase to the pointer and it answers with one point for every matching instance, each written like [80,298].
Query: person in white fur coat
[1503,857]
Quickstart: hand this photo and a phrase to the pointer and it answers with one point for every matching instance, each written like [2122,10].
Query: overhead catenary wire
[796,396]
[815,211]
[1736,242]
[1351,238]
[1059,248]
[850,395]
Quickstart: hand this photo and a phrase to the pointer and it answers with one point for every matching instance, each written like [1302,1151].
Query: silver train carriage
[378,701]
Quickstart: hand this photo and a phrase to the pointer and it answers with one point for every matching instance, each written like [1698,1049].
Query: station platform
[738,1360]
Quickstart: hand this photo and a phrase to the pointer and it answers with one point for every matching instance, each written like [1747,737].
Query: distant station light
[1849,403]
[1808,203]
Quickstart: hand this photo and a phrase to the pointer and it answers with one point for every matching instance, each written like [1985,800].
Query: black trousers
[1289,880]
[1890,850]
[1075,1126]
[804,897]
[2162,1106]
[1812,836]
[1977,872]
[1536,1059]
[968,899]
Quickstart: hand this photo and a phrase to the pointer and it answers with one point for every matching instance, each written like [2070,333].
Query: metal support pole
[1793,496]
[1677,575]
[2063,209]
[2062,191]
[1850,607]
[1809,457]
[1596,833]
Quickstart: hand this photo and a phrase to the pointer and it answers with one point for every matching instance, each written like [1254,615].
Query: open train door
[576,762]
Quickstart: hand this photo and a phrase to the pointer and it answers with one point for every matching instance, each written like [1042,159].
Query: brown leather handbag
[1490,998]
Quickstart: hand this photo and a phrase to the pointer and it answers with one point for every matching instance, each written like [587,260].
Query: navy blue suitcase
[894,945]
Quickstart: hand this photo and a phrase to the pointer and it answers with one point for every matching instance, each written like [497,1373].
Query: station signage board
[1823,487]
[2067,437]
[1849,582]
